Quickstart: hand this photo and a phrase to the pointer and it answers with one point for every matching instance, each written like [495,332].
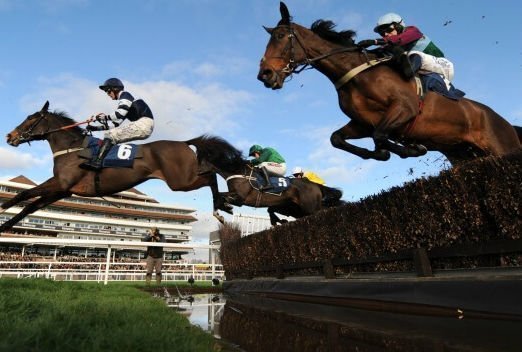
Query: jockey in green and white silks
[269,161]
[421,53]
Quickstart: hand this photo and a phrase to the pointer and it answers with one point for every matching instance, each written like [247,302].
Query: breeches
[274,168]
[439,65]
[154,264]
[135,130]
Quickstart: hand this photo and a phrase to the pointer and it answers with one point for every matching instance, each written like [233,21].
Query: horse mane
[218,152]
[65,119]
[325,29]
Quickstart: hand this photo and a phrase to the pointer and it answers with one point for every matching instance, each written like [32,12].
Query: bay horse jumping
[301,198]
[171,161]
[379,102]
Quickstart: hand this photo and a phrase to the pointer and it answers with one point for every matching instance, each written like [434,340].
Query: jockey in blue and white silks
[139,125]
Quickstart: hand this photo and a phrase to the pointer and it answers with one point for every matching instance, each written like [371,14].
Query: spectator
[154,255]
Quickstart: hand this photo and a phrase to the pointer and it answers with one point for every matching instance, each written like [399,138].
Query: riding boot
[158,279]
[148,277]
[267,184]
[415,62]
[97,162]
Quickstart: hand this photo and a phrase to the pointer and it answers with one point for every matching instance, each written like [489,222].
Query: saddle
[120,155]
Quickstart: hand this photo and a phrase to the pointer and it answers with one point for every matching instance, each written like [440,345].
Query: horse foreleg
[40,203]
[48,187]
[397,116]
[352,130]
[274,219]
[219,202]
[406,151]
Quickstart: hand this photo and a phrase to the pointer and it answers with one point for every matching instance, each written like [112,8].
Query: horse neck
[333,66]
[65,139]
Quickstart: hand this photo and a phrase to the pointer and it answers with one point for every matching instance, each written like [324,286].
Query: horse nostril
[264,74]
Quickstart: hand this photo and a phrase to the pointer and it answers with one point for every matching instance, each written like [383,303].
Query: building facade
[124,216]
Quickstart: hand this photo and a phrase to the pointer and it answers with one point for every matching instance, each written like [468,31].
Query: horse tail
[518,129]
[331,196]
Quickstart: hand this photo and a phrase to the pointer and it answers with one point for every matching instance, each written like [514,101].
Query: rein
[298,67]
[27,135]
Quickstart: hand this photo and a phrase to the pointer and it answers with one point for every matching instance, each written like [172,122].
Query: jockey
[136,111]
[311,176]
[413,50]
[269,161]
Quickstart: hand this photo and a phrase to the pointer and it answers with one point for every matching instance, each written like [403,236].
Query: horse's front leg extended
[352,130]
[48,187]
[34,206]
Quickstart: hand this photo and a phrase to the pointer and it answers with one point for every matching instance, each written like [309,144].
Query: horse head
[38,126]
[289,49]
[283,55]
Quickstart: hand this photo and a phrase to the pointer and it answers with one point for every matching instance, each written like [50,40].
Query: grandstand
[125,216]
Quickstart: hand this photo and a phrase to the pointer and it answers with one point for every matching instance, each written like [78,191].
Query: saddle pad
[280,184]
[120,155]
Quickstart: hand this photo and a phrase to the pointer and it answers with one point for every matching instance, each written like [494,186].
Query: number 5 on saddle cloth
[120,155]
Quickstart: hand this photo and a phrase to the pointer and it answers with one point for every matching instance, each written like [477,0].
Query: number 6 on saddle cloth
[120,155]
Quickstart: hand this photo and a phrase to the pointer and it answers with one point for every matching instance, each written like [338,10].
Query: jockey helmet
[255,148]
[297,170]
[112,83]
[387,20]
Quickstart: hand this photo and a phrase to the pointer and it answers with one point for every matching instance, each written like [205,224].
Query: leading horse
[171,161]
[300,199]
[379,102]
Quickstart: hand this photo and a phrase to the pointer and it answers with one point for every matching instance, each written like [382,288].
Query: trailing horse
[380,103]
[299,199]
[171,161]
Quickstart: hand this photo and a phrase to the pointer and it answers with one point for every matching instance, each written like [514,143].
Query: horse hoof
[420,149]
[219,218]
[382,155]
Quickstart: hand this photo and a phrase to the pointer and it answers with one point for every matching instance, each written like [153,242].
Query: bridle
[297,67]
[28,136]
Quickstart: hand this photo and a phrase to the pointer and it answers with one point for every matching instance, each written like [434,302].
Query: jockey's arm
[409,35]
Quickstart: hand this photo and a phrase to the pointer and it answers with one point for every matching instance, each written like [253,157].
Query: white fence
[108,270]
[96,271]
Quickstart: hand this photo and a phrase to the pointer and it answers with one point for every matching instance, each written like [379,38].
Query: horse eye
[280,36]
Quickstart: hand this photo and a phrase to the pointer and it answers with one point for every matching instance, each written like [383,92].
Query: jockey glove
[366,43]
[369,42]
[101,118]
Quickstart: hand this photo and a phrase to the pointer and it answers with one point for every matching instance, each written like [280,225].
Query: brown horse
[301,198]
[171,161]
[380,103]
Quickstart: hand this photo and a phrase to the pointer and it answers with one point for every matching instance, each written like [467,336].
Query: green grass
[45,315]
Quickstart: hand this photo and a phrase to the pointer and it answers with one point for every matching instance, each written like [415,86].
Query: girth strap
[355,71]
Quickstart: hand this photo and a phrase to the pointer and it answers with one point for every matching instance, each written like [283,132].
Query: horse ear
[268,30]
[285,14]
[45,107]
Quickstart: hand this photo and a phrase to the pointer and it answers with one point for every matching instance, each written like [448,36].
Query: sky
[195,63]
